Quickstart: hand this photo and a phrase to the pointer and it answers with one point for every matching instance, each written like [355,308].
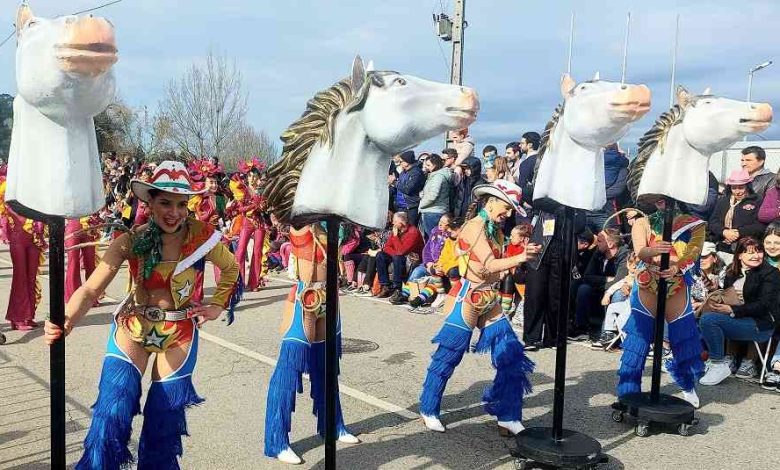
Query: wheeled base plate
[538,449]
[668,410]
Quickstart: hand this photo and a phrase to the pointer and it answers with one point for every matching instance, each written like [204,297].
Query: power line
[114,2]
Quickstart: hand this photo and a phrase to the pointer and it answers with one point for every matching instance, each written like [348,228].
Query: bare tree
[144,134]
[247,143]
[205,107]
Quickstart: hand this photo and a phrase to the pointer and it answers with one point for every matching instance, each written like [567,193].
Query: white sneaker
[433,423]
[438,301]
[692,398]
[717,373]
[289,456]
[515,427]
[347,438]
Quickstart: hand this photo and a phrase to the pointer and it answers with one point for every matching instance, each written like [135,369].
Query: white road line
[357,394]
[351,392]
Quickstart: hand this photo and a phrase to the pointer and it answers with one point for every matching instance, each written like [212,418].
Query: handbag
[728,296]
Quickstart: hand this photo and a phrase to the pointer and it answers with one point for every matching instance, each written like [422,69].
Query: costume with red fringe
[26,240]
[250,224]
[208,208]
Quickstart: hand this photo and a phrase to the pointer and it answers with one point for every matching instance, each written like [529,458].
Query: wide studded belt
[152,313]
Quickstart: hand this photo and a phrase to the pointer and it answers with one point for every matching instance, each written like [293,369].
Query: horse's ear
[358,73]
[707,91]
[567,84]
[596,76]
[684,98]
[23,15]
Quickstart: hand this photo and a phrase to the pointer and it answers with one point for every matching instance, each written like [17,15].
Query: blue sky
[515,51]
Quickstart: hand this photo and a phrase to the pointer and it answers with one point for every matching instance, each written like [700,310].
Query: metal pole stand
[655,407]
[56,316]
[558,447]
[331,352]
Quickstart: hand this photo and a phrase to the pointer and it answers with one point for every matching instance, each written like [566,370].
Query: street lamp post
[753,70]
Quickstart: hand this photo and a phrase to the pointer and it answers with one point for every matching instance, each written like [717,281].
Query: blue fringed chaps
[686,366]
[453,343]
[119,395]
[317,377]
[639,334]
[286,381]
[504,398]
[165,423]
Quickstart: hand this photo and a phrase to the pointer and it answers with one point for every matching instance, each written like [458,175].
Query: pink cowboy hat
[739,178]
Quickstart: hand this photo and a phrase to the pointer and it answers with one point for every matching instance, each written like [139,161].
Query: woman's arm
[222,258]
[479,246]
[769,208]
[767,297]
[86,295]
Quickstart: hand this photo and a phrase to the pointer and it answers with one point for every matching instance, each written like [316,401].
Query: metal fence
[727,161]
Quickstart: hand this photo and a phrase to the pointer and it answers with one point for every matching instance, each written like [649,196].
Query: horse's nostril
[624,87]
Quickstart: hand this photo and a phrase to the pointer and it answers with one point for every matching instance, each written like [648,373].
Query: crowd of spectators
[413,261]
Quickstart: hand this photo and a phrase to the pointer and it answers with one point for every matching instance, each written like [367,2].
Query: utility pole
[452,30]
[456,73]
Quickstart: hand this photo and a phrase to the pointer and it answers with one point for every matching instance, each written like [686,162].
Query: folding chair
[763,357]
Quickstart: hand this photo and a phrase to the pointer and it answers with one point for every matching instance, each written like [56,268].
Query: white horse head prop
[674,155]
[335,157]
[63,77]
[570,165]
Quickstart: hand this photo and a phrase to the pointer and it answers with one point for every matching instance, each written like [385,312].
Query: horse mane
[316,125]
[544,145]
[654,138]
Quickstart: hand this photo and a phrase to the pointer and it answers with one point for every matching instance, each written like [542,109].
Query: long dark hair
[743,246]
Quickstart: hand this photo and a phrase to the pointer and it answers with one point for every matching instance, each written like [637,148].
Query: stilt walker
[340,147]
[671,172]
[64,79]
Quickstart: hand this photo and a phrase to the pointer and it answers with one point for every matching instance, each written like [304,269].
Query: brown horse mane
[654,138]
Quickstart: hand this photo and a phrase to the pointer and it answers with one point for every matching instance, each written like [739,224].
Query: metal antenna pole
[625,48]
[672,91]
[571,43]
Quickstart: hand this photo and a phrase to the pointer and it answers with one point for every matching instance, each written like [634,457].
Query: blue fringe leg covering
[453,343]
[686,366]
[504,398]
[317,377]
[639,334]
[119,395]
[286,381]
[165,423]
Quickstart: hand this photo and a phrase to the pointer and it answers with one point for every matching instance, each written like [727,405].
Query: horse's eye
[708,102]
[400,81]
[31,23]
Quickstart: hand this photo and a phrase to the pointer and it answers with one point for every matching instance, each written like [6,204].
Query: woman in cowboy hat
[735,215]
[158,317]
[474,302]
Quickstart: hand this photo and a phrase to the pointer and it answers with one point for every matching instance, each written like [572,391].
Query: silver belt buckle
[154,314]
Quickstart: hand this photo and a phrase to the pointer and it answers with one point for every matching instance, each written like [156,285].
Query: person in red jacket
[404,240]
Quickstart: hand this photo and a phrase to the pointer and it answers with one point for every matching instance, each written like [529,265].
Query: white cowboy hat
[505,190]
[169,177]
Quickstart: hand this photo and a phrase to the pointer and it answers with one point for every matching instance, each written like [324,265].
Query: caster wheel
[617,416]
[684,429]
[522,464]
[642,430]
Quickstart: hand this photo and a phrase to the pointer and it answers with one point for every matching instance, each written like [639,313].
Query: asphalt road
[381,379]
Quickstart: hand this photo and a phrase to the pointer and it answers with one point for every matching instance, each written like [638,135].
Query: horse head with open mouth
[674,155]
[570,163]
[336,156]
[64,79]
